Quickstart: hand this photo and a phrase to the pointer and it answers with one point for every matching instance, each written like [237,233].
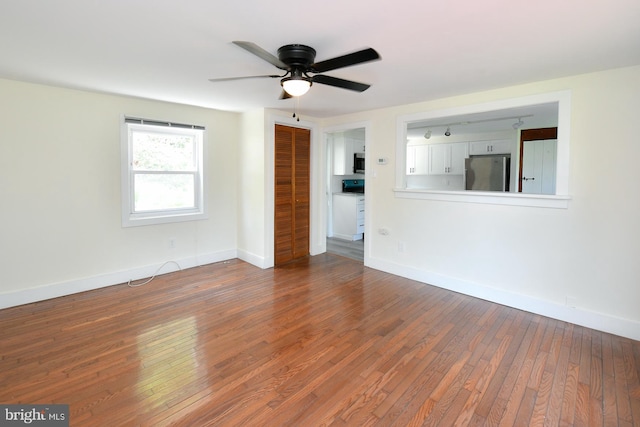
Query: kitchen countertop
[348,194]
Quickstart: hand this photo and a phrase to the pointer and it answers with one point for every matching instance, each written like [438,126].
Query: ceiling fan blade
[260,52]
[284,95]
[341,83]
[359,57]
[224,79]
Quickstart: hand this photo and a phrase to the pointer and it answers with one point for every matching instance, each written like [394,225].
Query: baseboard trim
[253,259]
[590,319]
[55,290]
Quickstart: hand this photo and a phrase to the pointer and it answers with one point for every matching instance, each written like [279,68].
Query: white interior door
[539,166]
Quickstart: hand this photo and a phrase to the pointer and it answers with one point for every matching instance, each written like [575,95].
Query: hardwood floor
[320,341]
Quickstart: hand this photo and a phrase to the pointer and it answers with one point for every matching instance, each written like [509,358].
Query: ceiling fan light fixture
[296,86]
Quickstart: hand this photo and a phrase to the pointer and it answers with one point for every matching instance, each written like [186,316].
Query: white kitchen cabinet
[358,145]
[348,216]
[342,155]
[417,159]
[502,146]
[344,147]
[447,159]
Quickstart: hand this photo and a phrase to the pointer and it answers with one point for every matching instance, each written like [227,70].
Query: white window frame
[559,200]
[130,218]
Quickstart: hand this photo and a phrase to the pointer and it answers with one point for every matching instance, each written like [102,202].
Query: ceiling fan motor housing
[297,55]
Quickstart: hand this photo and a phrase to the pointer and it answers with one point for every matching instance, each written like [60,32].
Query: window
[161,172]
[427,166]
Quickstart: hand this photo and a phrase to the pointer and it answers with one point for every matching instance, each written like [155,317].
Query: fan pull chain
[296,99]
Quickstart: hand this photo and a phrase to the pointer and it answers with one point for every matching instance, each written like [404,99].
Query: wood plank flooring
[320,341]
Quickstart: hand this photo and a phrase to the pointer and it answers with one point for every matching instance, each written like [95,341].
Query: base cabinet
[348,216]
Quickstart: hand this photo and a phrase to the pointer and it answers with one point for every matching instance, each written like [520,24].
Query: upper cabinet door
[344,147]
[417,163]
[502,146]
[447,159]
[342,155]
[459,152]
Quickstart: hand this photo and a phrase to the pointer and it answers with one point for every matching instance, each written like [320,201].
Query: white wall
[531,258]
[60,222]
[252,150]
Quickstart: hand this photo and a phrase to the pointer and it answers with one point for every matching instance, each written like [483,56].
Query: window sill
[485,197]
[135,221]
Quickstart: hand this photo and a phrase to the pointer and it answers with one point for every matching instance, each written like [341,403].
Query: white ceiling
[167,50]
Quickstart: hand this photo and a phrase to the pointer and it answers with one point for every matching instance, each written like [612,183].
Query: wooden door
[292,179]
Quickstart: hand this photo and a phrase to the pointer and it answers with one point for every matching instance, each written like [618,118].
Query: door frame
[369,175]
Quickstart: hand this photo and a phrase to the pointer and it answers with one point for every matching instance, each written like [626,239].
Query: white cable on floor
[154,274]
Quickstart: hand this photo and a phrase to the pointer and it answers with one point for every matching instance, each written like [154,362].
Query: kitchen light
[296,85]
[519,123]
[448,132]
[427,134]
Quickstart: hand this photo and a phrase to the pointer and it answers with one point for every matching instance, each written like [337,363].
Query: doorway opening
[346,160]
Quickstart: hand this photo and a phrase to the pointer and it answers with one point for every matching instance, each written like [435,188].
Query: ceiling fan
[301,71]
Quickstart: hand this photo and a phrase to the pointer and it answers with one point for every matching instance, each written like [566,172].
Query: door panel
[538,166]
[301,193]
[550,147]
[292,179]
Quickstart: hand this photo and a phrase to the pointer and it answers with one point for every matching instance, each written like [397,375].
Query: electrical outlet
[383,231]
[172,243]
[401,246]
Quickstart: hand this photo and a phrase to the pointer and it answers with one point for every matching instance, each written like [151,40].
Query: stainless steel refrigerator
[487,173]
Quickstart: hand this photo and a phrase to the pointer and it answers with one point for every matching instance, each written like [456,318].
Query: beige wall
[532,258]
[252,150]
[60,220]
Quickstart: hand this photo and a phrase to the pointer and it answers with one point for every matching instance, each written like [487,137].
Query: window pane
[163,151]
[159,191]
